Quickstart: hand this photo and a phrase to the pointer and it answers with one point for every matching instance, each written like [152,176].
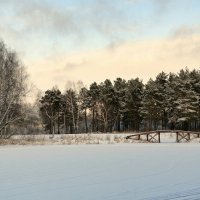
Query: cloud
[112,46]
[74,65]
[95,40]
[102,16]
[129,60]
[108,17]
[37,27]
[185,31]
[39,15]
[160,5]
[163,5]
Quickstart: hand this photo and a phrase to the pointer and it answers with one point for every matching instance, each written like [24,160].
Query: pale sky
[91,40]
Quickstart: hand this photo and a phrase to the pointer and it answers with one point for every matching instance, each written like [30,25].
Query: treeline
[171,101]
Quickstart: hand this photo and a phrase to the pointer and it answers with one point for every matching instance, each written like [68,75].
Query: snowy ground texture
[146,171]
[91,138]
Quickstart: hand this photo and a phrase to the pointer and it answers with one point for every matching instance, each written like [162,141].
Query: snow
[182,119]
[91,138]
[100,172]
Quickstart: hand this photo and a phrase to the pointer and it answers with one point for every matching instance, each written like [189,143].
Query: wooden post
[138,137]
[147,137]
[177,137]
[188,136]
[159,137]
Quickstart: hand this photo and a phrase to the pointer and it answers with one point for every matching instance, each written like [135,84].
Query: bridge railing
[154,136]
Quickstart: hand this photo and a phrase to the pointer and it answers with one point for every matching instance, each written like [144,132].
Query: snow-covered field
[91,138]
[100,172]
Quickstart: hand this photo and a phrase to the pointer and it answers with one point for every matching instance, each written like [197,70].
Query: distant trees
[85,102]
[134,95]
[170,101]
[154,102]
[51,104]
[71,111]
[103,107]
[120,88]
[13,89]
[187,98]
[107,111]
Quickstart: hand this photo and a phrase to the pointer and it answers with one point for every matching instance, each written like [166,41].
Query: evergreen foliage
[171,101]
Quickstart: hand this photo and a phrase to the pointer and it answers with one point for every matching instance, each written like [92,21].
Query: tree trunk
[118,124]
[64,124]
[86,126]
[93,120]
[58,123]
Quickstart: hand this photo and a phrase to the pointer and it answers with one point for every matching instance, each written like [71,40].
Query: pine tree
[85,101]
[186,100]
[107,109]
[120,87]
[94,94]
[134,94]
[195,83]
[161,97]
[149,110]
[171,97]
[71,111]
[50,109]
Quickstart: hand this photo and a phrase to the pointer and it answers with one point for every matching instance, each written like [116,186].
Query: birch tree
[12,90]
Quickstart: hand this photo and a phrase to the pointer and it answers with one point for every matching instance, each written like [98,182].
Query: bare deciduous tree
[13,89]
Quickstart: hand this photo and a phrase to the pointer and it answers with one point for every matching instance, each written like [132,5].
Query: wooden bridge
[154,136]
